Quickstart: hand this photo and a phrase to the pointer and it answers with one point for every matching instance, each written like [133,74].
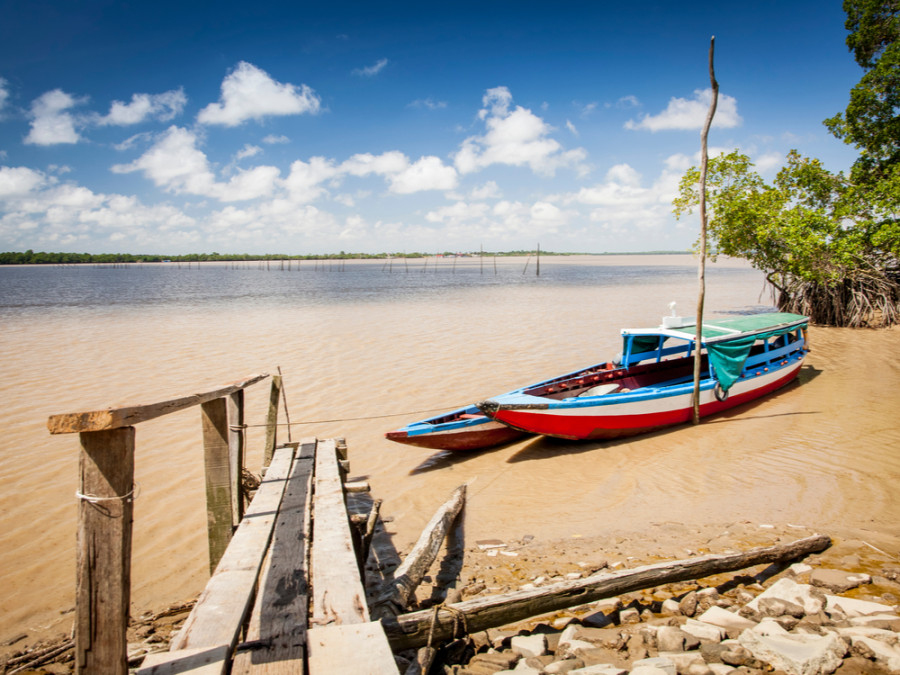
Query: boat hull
[487,435]
[625,415]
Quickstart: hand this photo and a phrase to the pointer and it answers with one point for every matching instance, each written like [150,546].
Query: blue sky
[292,127]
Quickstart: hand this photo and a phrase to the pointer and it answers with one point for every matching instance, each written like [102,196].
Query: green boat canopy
[727,341]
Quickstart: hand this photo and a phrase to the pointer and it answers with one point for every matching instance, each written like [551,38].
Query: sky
[304,128]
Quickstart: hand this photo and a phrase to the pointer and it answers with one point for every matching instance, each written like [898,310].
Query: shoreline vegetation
[30,257]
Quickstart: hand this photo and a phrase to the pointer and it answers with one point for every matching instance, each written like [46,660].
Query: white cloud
[571,128]
[162,107]
[131,141]
[374,69]
[514,137]
[429,103]
[272,139]
[489,190]
[304,182]
[247,151]
[18,181]
[630,101]
[428,173]
[768,162]
[4,93]
[684,114]
[387,163]
[177,165]
[50,123]
[250,93]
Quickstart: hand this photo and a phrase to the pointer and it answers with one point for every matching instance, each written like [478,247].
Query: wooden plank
[219,517]
[222,606]
[236,453]
[338,595]
[202,661]
[103,578]
[351,649]
[128,415]
[413,630]
[272,420]
[276,634]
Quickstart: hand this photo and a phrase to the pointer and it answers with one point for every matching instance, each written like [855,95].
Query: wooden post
[103,579]
[214,417]
[272,420]
[236,453]
[701,274]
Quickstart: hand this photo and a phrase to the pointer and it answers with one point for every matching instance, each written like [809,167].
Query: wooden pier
[286,593]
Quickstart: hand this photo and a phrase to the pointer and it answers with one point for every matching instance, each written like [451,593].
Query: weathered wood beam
[103,579]
[272,420]
[219,517]
[275,640]
[353,649]
[128,415]
[412,630]
[396,592]
[338,594]
[236,453]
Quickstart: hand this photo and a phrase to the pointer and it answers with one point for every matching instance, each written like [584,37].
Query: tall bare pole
[704,160]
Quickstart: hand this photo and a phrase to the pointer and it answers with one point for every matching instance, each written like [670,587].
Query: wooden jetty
[286,593]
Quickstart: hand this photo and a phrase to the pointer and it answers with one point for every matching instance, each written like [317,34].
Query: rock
[670,607]
[887,636]
[703,631]
[720,669]
[687,663]
[886,621]
[629,615]
[495,660]
[728,621]
[797,654]
[811,599]
[707,597]
[599,669]
[769,627]
[799,568]
[563,666]
[653,665]
[737,655]
[673,639]
[877,651]
[774,607]
[597,620]
[688,604]
[852,607]
[837,581]
[529,645]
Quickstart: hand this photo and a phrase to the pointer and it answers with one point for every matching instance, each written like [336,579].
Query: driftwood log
[396,592]
[417,629]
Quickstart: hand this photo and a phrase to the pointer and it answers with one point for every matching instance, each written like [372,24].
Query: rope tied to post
[130,496]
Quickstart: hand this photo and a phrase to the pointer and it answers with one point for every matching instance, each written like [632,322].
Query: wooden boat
[468,428]
[652,387]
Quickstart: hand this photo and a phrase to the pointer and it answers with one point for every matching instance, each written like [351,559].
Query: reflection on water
[368,342]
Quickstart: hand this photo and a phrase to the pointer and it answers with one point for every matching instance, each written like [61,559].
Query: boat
[468,428]
[743,358]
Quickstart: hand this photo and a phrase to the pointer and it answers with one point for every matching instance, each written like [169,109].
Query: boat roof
[722,330]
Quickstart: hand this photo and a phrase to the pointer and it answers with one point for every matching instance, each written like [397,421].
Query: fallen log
[416,629]
[395,593]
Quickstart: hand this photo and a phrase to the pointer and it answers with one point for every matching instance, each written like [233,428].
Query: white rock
[703,631]
[529,645]
[800,568]
[885,655]
[657,664]
[599,669]
[873,618]
[796,654]
[670,606]
[718,616]
[852,607]
[720,669]
[685,661]
[804,595]
[572,576]
[769,627]
[887,636]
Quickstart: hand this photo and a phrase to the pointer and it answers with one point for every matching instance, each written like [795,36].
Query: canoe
[468,428]
[744,358]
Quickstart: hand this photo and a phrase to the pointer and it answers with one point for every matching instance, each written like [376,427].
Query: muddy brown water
[370,351]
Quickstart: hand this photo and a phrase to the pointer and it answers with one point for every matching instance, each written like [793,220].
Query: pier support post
[272,420]
[214,417]
[236,453]
[103,578]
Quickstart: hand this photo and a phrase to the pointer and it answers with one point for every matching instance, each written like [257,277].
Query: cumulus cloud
[51,123]
[273,139]
[247,151]
[162,107]
[684,114]
[428,173]
[372,70]
[18,181]
[250,93]
[429,103]
[175,164]
[515,137]
[489,190]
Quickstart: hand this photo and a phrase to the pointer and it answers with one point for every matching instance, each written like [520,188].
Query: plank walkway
[286,596]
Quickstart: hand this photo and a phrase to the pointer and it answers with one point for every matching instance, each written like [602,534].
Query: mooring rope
[356,419]
[130,496]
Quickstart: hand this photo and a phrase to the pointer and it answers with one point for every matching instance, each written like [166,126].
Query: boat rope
[129,496]
[355,419]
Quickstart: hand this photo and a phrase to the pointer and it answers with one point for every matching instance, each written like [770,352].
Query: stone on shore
[837,581]
[810,599]
[796,654]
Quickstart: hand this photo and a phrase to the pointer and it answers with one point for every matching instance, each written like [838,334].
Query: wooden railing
[105,505]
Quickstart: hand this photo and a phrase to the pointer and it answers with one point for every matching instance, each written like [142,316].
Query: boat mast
[704,160]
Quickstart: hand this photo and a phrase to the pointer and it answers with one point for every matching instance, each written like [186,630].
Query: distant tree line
[30,257]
